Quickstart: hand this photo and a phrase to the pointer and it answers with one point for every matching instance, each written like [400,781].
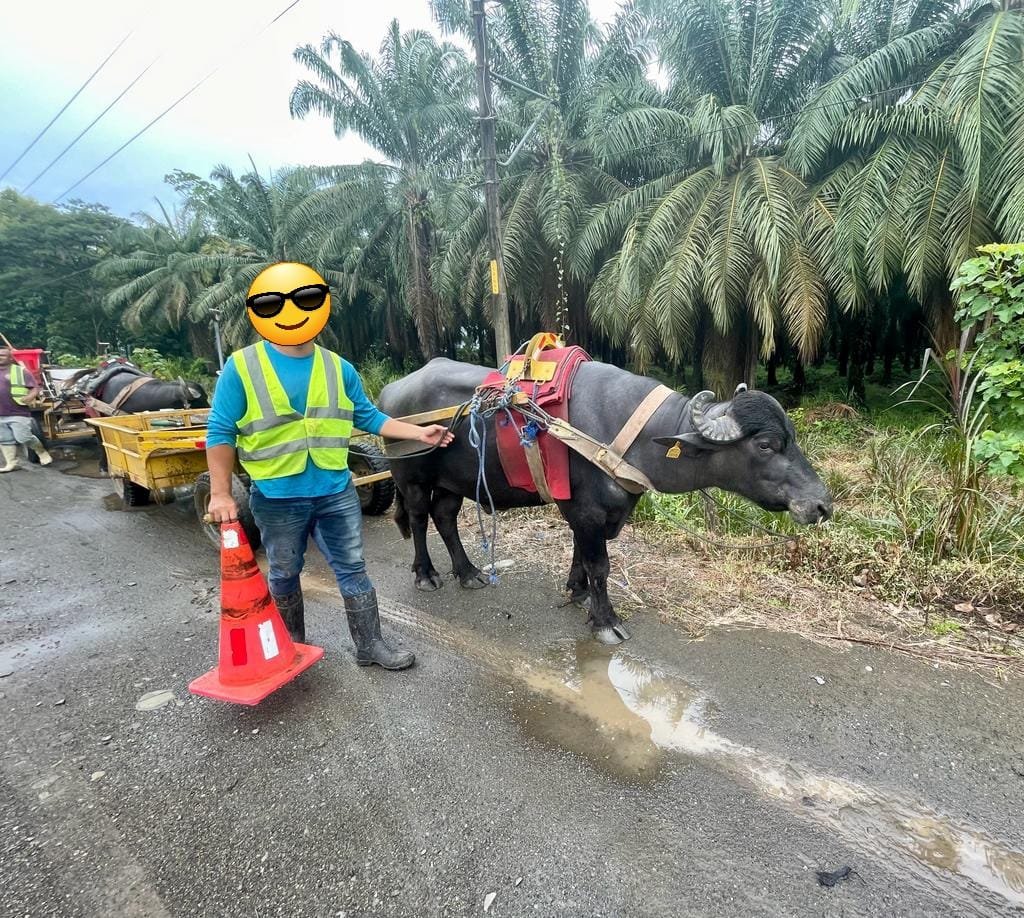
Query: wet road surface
[665,777]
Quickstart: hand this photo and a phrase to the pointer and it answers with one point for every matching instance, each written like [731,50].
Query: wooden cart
[61,417]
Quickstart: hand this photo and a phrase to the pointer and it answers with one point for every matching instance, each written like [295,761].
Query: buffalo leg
[444,509]
[593,549]
[577,585]
[417,502]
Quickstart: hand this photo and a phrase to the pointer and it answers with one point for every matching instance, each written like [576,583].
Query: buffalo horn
[718,430]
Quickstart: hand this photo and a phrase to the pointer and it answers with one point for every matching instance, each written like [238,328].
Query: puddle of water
[627,717]
[874,822]
[85,468]
[571,703]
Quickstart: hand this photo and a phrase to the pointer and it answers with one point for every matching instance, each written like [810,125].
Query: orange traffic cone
[257,656]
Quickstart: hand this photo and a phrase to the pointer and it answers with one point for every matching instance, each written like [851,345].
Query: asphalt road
[519,759]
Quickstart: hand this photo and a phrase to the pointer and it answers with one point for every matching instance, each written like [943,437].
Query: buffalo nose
[824,510]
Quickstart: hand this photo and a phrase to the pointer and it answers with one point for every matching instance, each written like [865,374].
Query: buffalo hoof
[475,581]
[611,634]
[579,599]
[429,583]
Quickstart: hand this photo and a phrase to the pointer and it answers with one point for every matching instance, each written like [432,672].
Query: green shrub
[990,291]
[376,373]
[899,495]
[192,369]
[74,361]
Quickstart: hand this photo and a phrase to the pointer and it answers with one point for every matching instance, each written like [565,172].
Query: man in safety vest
[286,408]
[18,390]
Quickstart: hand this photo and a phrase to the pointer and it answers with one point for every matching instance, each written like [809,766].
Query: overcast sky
[50,48]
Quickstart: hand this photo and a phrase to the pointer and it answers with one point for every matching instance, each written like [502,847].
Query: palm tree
[257,222]
[552,64]
[923,140]
[410,104]
[726,246]
[157,282]
[201,261]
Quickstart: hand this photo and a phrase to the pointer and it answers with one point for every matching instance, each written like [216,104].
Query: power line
[90,125]
[175,103]
[64,108]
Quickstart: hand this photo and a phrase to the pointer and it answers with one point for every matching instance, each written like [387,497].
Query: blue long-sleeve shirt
[228,407]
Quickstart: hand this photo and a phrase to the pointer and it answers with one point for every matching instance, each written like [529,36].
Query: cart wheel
[240,493]
[133,495]
[366,458]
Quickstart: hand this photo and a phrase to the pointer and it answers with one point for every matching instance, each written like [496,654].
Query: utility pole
[216,337]
[499,297]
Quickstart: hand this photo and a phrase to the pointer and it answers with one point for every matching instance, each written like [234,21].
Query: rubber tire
[367,458]
[240,492]
[133,495]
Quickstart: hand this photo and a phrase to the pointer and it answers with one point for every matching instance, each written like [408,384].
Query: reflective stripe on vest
[19,388]
[274,440]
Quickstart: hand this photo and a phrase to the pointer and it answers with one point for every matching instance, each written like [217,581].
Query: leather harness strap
[128,391]
[535,462]
[638,421]
[609,458]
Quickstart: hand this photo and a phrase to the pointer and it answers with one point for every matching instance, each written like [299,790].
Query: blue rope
[479,415]
[478,440]
[528,437]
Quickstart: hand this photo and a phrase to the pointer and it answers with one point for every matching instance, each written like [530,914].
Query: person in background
[18,390]
[286,408]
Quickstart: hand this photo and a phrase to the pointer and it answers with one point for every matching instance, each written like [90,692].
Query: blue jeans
[336,523]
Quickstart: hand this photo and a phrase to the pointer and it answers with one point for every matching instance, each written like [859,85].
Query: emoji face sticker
[289,303]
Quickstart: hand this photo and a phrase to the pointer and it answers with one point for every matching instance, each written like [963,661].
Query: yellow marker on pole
[494,277]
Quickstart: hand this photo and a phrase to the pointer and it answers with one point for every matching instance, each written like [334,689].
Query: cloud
[240,111]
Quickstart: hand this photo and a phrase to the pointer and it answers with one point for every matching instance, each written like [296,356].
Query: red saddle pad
[553,396]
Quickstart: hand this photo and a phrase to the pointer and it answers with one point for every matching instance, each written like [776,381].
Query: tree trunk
[856,333]
[201,343]
[773,369]
[699,336]
[730,360]
[941,323]
[424,306]
[909,343]
[889,347]
[751,357]
[872,338]
[799,377]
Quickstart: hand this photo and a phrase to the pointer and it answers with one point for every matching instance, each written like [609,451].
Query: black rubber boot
[364,623]
[293,614]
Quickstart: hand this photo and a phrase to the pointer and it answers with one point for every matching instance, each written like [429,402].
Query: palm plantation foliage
[411,105]
[703,186]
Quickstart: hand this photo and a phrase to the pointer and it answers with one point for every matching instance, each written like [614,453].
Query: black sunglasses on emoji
[308,298]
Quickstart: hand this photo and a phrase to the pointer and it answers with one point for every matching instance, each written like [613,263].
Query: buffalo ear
[689,444]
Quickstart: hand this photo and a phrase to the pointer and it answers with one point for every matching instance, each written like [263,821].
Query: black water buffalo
[156,395]
[746,445]
[108,383]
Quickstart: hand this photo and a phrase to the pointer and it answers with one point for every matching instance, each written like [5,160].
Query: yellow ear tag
[674,452]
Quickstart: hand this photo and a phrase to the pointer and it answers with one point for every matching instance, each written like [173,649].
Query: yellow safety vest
[274,440]
[19,388]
